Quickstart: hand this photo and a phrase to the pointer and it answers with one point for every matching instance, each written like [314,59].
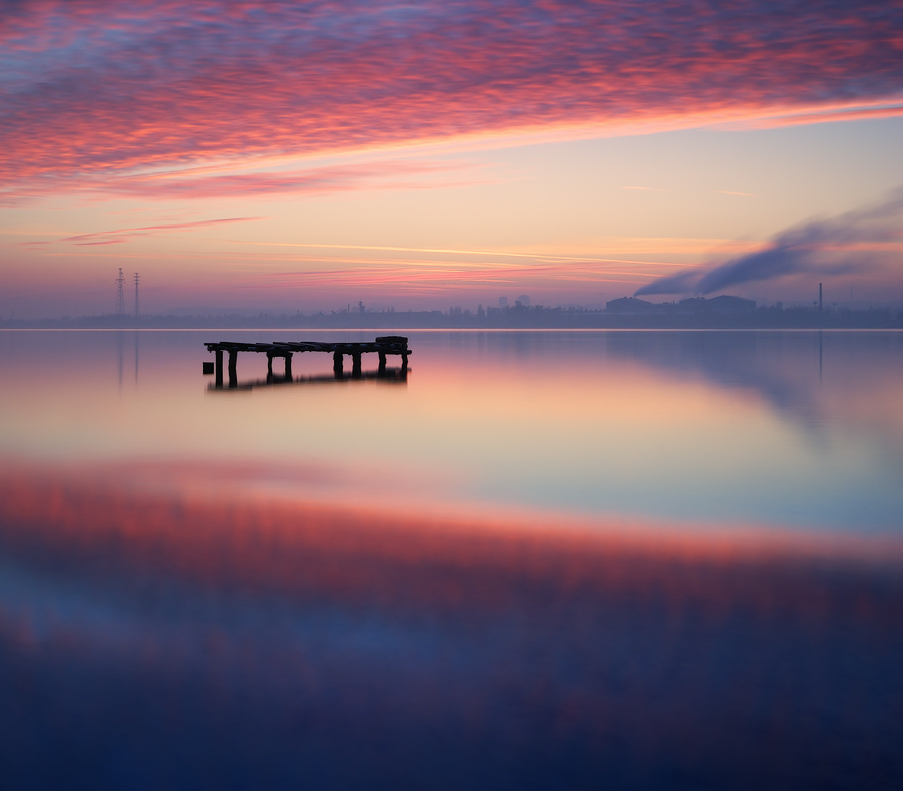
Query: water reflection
[153,642]
[119,346]
[786,368]
[818,379]
[787,429]
[679,565]
[120,356]
[387,376]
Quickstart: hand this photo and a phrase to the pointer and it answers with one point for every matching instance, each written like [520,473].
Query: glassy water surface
[643,560]
[794,430]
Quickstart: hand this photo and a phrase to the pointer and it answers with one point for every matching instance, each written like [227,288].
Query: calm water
[794,430]
[543,559]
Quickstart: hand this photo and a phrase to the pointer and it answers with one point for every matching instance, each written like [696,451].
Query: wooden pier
[383,346]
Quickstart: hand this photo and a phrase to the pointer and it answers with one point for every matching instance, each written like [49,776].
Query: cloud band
[87,87]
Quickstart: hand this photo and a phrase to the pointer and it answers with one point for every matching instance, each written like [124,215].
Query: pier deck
[383,346]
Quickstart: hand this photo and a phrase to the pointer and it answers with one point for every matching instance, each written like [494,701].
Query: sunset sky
[306,155]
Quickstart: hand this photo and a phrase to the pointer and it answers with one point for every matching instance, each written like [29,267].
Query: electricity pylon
[120,297]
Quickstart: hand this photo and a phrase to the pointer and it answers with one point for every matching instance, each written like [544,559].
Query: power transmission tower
[137,278]
[120,297]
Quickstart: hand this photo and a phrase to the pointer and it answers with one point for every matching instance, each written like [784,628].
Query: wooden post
[288,365]
[233,373]
[337,364]
[356,365]
[382,363]
[269,365]
[219,367]
[404,363]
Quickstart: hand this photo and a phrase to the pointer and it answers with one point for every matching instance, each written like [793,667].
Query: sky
[287,156]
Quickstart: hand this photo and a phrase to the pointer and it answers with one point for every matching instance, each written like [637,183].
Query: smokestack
[819,297]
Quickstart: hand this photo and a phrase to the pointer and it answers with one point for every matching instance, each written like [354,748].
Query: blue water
[620,560]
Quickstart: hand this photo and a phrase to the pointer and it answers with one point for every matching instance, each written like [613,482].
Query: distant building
[726,304]
[692,305]
[629,305]
[523,300]
[721,305]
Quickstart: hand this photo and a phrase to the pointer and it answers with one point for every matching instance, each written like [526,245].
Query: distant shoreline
[534,318]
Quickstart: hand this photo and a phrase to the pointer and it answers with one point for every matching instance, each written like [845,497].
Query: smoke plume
[838,245]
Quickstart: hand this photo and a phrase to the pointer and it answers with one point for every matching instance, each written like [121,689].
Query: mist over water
[542,560]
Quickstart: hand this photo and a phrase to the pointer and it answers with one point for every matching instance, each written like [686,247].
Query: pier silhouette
[383,346]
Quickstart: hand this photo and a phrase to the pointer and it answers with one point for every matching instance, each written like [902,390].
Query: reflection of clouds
[823,381]
[440,651]
[649,423]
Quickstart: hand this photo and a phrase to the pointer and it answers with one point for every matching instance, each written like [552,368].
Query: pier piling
[233,371]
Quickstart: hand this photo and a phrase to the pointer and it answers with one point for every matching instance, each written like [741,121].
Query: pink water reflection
[783,430]
[286,639]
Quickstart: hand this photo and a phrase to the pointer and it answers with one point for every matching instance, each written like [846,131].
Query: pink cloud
[89,88]
[377,175]
[122,235]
